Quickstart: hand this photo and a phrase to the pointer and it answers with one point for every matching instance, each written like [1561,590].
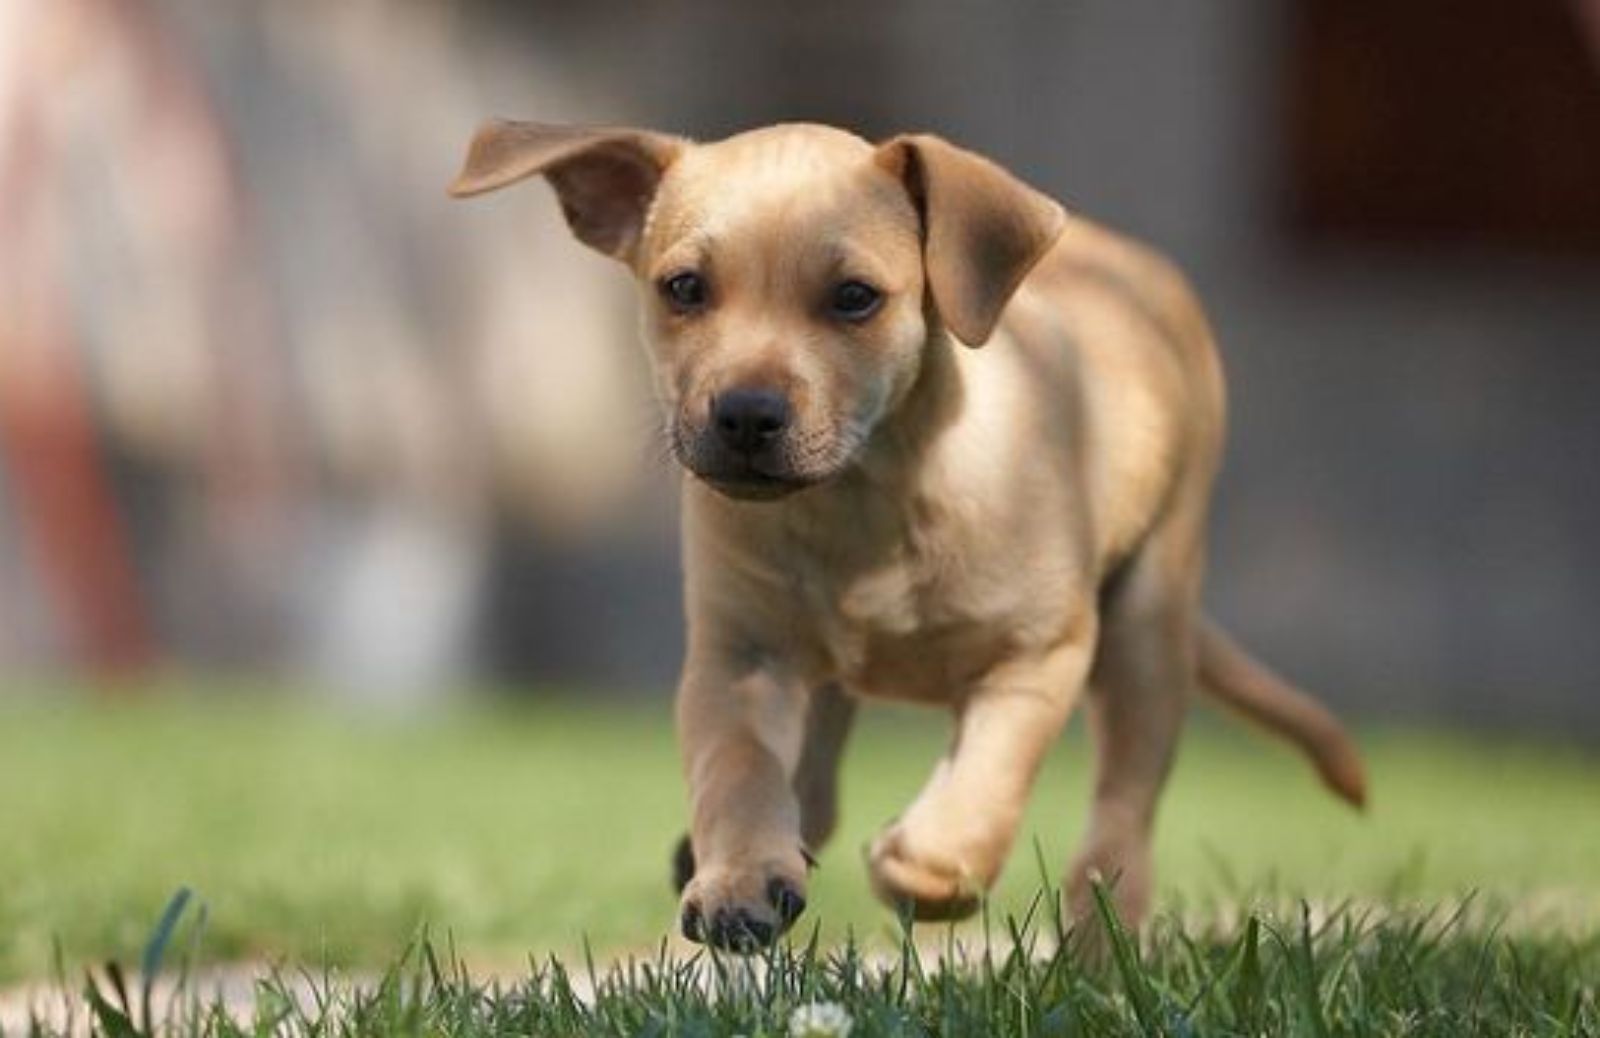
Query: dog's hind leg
[816,778]
[1138,693]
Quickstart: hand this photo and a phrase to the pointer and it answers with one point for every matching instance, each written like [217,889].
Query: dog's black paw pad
[788,901]
[736,930]
[682,864]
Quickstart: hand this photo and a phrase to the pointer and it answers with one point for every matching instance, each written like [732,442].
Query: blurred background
[271,404]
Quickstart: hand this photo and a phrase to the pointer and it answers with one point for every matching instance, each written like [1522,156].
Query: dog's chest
[904,619]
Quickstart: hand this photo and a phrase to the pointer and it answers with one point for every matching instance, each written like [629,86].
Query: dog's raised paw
[928,889]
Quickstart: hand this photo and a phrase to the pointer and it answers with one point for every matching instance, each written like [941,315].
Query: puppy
[947,446]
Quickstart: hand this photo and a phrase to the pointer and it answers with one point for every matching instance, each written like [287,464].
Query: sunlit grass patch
[326,838]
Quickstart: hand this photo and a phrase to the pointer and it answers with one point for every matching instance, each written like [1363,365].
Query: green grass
[326,840]
[1352,973]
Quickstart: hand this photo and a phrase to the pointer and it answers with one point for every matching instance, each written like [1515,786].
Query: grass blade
[1126,957]
[156,949]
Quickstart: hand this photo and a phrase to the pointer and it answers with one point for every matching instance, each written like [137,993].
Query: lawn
[317,838]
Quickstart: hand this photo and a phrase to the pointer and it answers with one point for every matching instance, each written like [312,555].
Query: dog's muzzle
[742,450]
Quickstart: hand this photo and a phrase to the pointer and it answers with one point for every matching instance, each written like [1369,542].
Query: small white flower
[820,1020]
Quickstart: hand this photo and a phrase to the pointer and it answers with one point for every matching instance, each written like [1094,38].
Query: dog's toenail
[786,899]
[693,923]
[738,931]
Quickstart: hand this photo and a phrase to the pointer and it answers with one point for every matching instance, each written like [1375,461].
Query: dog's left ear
[982,229]
[606,177]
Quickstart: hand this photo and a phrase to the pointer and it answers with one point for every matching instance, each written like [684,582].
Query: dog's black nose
[749,419]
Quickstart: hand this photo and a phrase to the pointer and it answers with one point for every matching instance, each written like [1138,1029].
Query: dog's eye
[685,292]
[854,301]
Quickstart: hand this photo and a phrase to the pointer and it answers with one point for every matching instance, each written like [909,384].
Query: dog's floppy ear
[982,229]
[605,177]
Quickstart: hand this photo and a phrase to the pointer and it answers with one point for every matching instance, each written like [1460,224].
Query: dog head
[793,277]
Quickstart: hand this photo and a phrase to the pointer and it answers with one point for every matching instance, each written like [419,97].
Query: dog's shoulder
[1092,266]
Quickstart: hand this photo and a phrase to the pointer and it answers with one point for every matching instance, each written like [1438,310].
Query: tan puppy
[882,509]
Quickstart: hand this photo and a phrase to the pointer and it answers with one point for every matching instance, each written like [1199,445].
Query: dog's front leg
[939,857]
[740,728]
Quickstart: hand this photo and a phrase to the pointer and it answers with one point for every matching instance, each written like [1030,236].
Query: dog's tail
[1229,675]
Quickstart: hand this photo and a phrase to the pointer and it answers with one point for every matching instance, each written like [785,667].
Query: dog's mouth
[748,483]
[755,487]
[767,473]
[745,478]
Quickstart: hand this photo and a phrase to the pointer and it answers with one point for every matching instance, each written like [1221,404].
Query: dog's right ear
[604,177]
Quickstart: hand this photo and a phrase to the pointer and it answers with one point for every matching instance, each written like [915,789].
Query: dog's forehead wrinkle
[761,204]
[794,253]
[691,250]
[793,183]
